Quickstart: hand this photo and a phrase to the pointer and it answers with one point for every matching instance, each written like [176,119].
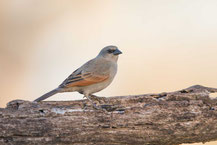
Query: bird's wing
[83,79]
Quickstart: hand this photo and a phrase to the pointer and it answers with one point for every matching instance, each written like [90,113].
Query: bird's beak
[117,52]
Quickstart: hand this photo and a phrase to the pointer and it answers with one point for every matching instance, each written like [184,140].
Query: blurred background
[167,45]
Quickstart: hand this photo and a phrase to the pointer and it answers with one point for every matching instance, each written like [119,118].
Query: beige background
[167,45]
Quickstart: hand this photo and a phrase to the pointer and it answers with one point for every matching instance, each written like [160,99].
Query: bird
[93,76]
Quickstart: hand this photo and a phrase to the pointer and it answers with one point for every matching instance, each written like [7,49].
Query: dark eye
[111,51]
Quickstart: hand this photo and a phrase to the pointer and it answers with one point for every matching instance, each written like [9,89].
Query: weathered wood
[185,116]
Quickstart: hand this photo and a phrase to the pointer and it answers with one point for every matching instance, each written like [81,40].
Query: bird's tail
[47,95]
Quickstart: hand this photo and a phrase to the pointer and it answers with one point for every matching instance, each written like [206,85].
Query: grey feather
[47,95]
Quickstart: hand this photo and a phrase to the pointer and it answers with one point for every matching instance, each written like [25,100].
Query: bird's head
[110,52]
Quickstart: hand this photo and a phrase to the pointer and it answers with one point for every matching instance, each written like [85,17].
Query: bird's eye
[111,50]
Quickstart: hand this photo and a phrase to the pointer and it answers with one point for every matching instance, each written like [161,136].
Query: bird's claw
[98,99]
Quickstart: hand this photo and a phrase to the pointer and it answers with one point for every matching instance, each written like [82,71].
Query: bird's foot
[101,101]
[92,102]
[98,99]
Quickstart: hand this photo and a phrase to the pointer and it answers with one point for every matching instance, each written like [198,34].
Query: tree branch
[185,116]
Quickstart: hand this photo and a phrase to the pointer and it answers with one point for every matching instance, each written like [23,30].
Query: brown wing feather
[83,79]
[87,81]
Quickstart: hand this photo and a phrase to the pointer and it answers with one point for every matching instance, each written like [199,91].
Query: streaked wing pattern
[82,79]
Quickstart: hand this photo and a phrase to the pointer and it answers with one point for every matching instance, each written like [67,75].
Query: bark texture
[185,116]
